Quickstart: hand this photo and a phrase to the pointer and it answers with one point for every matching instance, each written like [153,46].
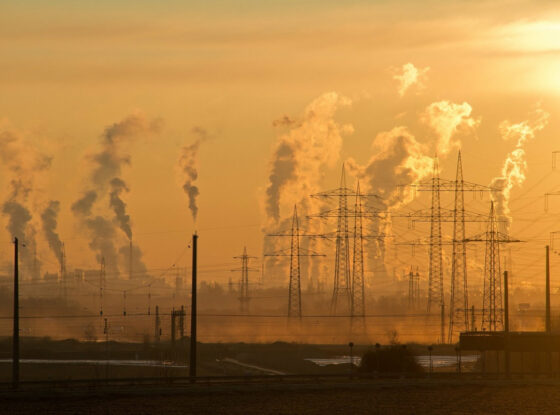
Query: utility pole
[15,341]
[192,366]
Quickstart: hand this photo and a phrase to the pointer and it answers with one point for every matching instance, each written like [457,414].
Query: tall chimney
[130,261]
[547,294]
[192,366]
[15,341]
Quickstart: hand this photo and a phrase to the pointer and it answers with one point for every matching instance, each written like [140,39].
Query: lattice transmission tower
[349,285]
[244,280]
[459,297]
[492,306]
[295,253]
[458,307]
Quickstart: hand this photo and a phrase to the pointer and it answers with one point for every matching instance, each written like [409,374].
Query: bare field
[357,398]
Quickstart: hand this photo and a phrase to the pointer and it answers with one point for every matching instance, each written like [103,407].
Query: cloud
[447,119]
[408,76]
[514,169]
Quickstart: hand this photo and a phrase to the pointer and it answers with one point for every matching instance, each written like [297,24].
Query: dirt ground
[395,398]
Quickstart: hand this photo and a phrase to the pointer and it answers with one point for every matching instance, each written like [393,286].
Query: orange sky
[231,68]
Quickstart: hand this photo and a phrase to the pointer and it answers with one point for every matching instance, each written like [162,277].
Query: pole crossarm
[424,241]
[447,215]
[336,213]
[345,192]
[446,185]
[499,237]
[286,252]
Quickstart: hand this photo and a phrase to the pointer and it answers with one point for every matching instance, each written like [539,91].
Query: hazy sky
[71,69]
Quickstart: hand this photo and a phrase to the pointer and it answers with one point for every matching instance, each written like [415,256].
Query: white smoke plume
[187,169]
[106,184]
[408,76]
[447,119]
[514,169]
[398,160]
[301,155]
[49,218]
[24,166]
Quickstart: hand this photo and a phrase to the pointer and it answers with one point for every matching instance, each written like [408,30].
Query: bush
[389,359]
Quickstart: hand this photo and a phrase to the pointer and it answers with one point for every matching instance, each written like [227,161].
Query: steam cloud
[187,167]
[515,165]
[49,218]
[399,159]
[106,182]
[409,75]
[446,119]
[24,166]
[311,143]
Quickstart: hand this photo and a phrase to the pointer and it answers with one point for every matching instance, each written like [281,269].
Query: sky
[244,77]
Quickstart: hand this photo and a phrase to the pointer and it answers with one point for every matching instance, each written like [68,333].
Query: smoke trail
[301,155]
[187,168]
[311,144]
[446,119]
[515,165]
[49,217]
[119,207]
[24,165]
[408,76]
[399,159]
[106,183]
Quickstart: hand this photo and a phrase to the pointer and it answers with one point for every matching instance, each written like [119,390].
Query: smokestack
[192,366]
[506,323]
[130,261]
[547,294]
[506,303]
[15,342]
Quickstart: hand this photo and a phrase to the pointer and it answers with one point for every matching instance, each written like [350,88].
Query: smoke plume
[301,154]
[187,168]
[515,165]
[24,165]
[446,119]
[49,217]
[398,160]
[308,146]
[119,207]
[410,75]
[106,183]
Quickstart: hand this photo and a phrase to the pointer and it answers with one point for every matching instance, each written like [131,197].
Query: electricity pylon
[492,307]
[458,216]
[348,286]
[244,281]
[358,305]
[295,252]
[413,288]
[459,298]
